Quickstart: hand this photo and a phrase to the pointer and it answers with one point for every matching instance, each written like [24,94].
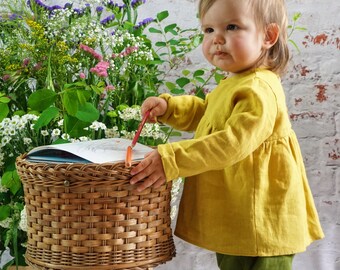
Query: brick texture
[312,86]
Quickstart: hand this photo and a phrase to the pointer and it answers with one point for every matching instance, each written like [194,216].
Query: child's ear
[271,35]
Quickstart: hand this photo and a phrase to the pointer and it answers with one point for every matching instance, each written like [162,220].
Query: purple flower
[136,3]
[143,23]
[67,5]
[56,7]
[78,11]
[99,9]
[41,4]
[14,16]
[107,19]
[111,4]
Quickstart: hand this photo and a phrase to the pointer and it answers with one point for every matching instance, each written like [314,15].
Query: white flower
[56,132]
[112,132]
[130,114]
[27,141]
[173,212]
[97,125]
[23,220]
[127,135]
[3,189]
[44,132]
[65,136]
[6,223]
[176,187]
[5,140]
[84,139]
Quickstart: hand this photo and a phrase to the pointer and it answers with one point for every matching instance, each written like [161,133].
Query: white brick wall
[313,97]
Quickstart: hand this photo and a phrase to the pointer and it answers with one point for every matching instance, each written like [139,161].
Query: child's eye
[208,30]
[232,27]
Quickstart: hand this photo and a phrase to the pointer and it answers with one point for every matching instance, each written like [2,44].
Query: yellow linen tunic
[246,191]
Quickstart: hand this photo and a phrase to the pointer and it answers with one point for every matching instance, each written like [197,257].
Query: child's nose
[219,39]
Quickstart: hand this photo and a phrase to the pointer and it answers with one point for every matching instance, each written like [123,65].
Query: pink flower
[82,75]
[37,66]
[88,49]
[101,69]
[110,88]
[6,77]
[126,52]
[26,62]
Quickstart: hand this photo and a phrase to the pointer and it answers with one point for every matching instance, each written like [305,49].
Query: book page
[96,151]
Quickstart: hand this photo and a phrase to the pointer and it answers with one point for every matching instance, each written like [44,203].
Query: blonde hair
[266,12]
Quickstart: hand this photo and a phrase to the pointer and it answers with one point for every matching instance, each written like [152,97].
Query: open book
[96,151]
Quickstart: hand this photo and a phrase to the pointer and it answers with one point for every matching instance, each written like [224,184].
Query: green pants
[227,262]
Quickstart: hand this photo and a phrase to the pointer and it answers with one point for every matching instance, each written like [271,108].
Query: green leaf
[97,89]
[198,73]
[42,99]
[75,127]
[173,42]
[218,77]
[300,28]
[200,80]
[176,133]
[294,44]
[170,85]
[162,15]
[87,113]
[197,40]
[4,99]
[5,211]
[11,180]
[82,97]
[296,16]
[186,72]
[182,81]
[171,28]
[4,110]
[128,25]
[46,117]
[160,44]
[154,30]
[178,91]
[70,101]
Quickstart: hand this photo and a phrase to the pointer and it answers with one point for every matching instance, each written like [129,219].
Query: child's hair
[265,12]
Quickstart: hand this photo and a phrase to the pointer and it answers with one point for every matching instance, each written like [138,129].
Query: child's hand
[150,170]
[157,107]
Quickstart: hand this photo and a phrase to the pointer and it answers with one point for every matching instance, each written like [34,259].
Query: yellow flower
[37,30]
[13,67]
[61,46]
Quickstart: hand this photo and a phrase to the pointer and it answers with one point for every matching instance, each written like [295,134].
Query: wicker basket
[88,216]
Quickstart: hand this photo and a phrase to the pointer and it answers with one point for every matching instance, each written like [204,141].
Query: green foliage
[72,75]
[293,28]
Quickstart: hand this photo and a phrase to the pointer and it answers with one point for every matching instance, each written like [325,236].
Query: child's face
[231,40]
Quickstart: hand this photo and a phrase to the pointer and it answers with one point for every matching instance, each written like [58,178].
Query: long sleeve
[233,126]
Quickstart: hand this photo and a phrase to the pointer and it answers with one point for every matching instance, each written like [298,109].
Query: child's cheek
[206,48]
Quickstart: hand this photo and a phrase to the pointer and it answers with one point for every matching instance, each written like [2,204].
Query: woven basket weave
[88,216]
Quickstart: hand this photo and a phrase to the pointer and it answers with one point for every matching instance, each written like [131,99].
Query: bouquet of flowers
[78,72]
